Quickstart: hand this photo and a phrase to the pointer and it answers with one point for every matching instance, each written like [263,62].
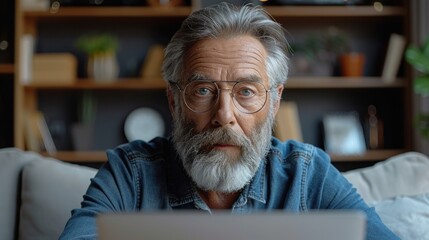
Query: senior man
[226,68]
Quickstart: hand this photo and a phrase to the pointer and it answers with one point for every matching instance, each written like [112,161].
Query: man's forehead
[203,77]
[232,59]
[240,45]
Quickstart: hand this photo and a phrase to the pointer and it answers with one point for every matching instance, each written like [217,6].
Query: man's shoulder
[292,151]
[291,148]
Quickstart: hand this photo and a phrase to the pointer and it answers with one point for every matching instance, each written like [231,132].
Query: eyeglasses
[202,96]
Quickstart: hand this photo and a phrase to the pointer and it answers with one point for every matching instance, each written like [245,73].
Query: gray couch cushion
[50,190]
[407,216]
[11,163]
[403,174]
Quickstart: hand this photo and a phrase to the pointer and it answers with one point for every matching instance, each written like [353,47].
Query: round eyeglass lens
[202,96]
[249,97]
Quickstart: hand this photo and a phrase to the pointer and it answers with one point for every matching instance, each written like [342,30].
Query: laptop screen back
[222,225]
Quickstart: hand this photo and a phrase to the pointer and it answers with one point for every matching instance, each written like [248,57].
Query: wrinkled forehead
[232,59]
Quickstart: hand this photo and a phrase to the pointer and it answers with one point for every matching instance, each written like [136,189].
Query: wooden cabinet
[140,27]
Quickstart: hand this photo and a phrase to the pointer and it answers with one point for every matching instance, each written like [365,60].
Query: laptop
[184,225]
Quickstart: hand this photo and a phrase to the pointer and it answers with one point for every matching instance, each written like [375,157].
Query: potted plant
[311,57]
[418,57]
[101,51]
[351,62]
[317,55]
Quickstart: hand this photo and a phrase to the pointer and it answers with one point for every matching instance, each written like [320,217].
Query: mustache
[220,136]
[198,142]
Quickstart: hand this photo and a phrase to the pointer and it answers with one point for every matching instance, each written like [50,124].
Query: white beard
[215,170]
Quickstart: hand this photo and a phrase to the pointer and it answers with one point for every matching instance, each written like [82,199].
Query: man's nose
[224,109]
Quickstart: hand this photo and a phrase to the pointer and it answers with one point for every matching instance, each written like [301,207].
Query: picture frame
[343,134]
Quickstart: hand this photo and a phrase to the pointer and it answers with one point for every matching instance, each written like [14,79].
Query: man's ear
[171,103]
[277,103]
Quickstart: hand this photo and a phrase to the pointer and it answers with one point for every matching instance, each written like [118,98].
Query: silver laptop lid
[184,225]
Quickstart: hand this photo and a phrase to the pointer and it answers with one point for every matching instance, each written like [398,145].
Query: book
[37,134]
[33,138]
[153,62]
[393,58]
[287,123]
[26,58]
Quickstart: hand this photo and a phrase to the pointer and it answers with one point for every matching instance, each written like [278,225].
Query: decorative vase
[82,136]
[352,64]
[103,67]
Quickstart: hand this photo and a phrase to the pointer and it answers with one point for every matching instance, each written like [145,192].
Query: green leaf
[425,48]
[422,124]
[421,85]
[417,59]
[100,43]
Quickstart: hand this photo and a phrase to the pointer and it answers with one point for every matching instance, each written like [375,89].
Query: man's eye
[245,92]
[202,91]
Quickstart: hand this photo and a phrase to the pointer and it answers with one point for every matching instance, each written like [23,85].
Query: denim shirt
[141,176]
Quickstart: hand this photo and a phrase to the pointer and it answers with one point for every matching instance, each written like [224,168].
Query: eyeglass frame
[218,93]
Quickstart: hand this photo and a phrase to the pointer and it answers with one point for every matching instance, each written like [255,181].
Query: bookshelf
[334,93]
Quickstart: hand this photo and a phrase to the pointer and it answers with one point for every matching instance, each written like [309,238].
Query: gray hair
[227,20]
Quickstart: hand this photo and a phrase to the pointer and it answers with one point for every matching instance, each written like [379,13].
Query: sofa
[38,193]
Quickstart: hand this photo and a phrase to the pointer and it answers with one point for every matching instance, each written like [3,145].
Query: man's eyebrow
[201,77]
[197,77]
[251,78]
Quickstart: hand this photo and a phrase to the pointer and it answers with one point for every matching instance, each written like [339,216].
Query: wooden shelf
[7,68]
[292,83]
[120,84]
[100,156]
[120,12]
[275,11]
[334,11]
[369,156]
[341,82]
